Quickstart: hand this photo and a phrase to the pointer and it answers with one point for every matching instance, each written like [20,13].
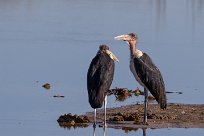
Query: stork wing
[151,77]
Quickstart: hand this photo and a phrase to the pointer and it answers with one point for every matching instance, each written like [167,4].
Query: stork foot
[145,123]
[104,125]
[94,125]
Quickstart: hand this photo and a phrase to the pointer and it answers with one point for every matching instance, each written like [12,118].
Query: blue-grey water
[54,41]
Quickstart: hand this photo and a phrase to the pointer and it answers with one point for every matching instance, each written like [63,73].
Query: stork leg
[104,131]
[105,104]
[94,131]
[145,106]
[144,131]
[94,125]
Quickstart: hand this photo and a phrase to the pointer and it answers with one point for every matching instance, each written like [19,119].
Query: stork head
[130,38]
[105,49]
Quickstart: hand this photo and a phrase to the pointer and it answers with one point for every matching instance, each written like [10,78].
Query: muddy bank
[175,116]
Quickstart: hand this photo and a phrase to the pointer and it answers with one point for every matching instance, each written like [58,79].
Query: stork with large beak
[99,79]
[145,72]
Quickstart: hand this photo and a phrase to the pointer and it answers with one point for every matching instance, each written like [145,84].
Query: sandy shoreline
[175,116]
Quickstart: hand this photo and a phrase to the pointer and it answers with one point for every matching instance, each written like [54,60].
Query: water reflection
[128,129]
[70,126]
[160,11]
[160,6]
[125,129]
[144,131]
[94,131]
[53,31]
[194,11]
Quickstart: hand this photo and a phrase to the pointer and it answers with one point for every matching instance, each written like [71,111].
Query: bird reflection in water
[125,129]
[94,131]
[144,131]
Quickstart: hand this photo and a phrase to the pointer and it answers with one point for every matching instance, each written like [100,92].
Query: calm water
[54,41]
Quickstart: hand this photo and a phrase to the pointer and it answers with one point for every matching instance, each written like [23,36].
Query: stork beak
[124,37]
[112,56]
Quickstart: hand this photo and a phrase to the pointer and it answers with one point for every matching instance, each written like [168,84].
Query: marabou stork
[99,78]
[145,72]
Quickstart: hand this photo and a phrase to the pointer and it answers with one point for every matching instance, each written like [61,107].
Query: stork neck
[133,48]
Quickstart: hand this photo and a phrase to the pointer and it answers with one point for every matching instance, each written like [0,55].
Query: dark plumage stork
[99,78]
[145,72]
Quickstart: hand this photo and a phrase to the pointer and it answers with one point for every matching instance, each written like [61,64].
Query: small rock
[125,117]
[72,122]
[69,118]
[46,86]
[137,92]
[119,114]
[123,91]
[179,92]
[59,96]
[117,118]
[150,97]
[121,98]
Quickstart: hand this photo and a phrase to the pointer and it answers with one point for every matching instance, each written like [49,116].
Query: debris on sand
[151,98]
[58,96]
[125,117]
[119,91]
[174,92]
[121,94]
[69,120]
[47,86]
[138,92]
[123,91]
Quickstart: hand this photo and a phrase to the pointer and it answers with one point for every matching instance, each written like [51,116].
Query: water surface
[54,41]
